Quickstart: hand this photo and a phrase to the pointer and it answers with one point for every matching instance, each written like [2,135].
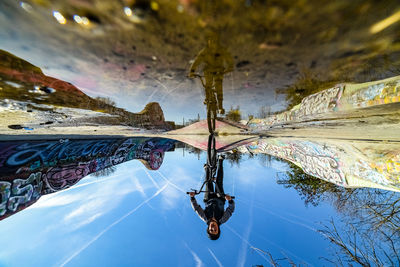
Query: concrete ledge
[343,101]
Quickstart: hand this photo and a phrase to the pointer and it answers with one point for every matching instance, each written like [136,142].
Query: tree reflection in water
[370,227]
[105,172]
[368,231]
[312,190]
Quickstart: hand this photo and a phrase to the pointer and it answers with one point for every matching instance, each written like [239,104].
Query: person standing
[216,61]
[214,198]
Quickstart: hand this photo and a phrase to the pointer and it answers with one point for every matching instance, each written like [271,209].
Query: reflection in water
[345,170]
[32,169]
[215,61]
[320,85]
[40,101]
[370,235]
[214,194]
[35,168]
[344,163]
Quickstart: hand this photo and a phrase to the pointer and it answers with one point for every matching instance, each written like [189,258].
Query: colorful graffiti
[56,165]
[19,193]
[385,92]
[319,103]
[341,98]
[49,153]
[391,164]
[362,169]
[313,158]
[343,164]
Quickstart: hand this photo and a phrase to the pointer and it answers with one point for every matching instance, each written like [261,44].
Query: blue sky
[140,217]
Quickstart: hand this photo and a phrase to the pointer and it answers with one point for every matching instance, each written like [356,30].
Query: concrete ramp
[222,143]
[201,127]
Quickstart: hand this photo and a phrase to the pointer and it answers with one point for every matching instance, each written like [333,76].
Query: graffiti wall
[345,164]
[31,169]
[341,98]
[370,94]
[313,158]
[19,193]
[319,103]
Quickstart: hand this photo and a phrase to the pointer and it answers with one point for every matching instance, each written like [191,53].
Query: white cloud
[105,230]
[196,258]
[180,183]
[88,209]
[87,221]
[215,258]
[138,186]
[151,178]
[245,239]
[84,203]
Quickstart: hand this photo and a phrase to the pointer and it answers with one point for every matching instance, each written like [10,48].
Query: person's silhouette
[214,198]
[216,61]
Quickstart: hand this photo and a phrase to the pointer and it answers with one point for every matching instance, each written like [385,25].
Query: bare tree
[106,100]
[234,157]
[358,245]
[275,262]
[264,112]
[311,189]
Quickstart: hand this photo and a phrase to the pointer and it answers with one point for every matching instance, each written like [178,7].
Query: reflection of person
[214,214]
[216,61]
